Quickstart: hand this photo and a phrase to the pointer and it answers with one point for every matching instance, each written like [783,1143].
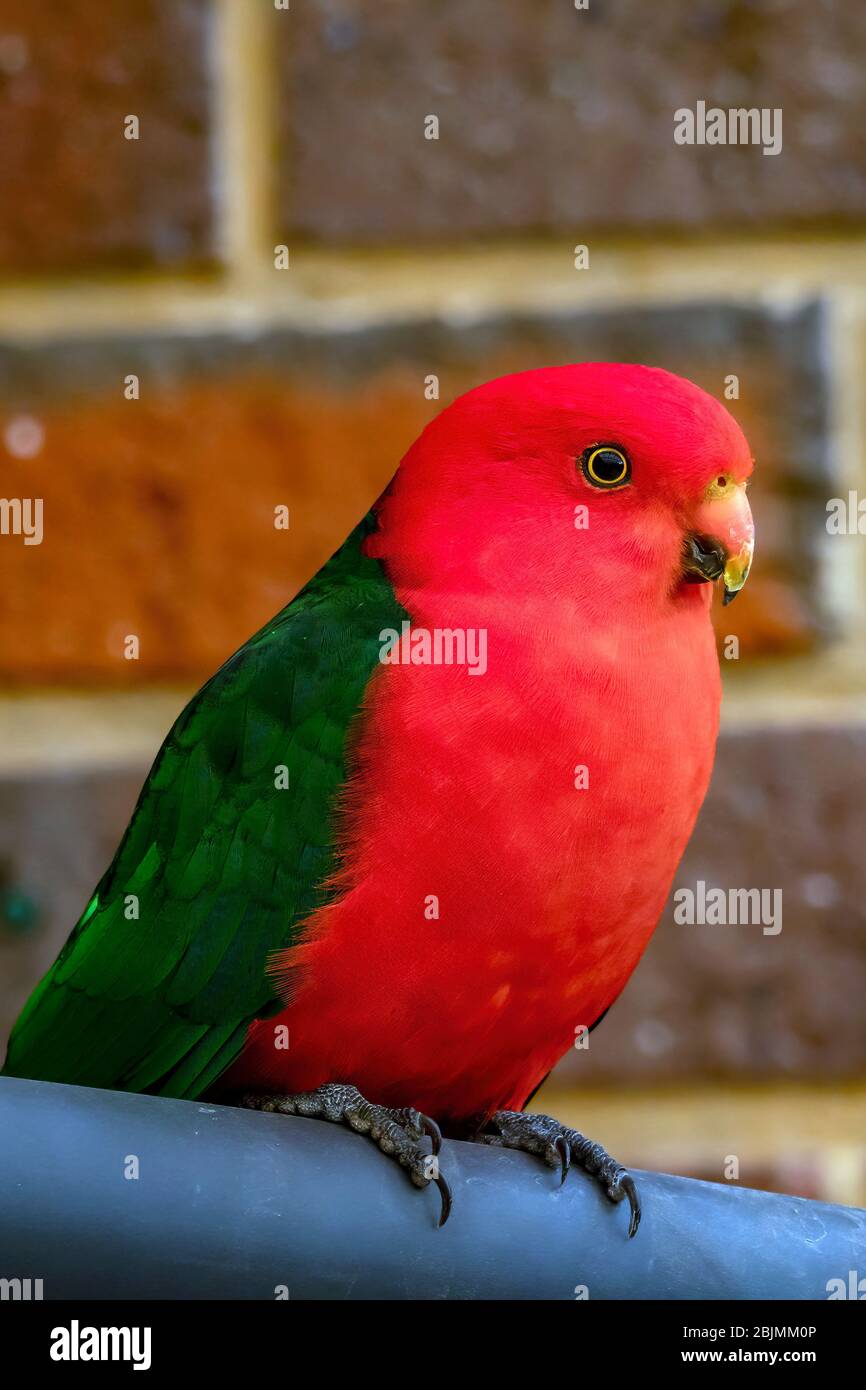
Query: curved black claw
[541,1134]
[562,1148]
[627,1184]
[445,1194]
[399,1133]
[432,1130]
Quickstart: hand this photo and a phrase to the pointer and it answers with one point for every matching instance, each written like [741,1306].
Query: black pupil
[608,466]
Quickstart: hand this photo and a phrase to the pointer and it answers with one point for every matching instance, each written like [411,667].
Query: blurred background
[247,250]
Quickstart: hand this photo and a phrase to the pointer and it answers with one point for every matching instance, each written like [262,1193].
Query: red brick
[74,191]
[562,120]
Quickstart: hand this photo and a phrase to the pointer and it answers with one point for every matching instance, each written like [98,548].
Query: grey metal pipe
[234,1204]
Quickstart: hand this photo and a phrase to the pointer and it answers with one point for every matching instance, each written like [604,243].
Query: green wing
[164,972]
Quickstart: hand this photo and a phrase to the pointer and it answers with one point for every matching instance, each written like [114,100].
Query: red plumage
[463,786]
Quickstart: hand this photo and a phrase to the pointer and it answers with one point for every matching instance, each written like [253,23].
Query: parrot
[413,837]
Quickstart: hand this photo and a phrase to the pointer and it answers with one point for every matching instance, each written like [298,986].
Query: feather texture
[164,972]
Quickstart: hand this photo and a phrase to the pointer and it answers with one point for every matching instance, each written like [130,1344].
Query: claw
[564,1150]
[430,1128]
[445,1194]
[540,1134]
[628,1187]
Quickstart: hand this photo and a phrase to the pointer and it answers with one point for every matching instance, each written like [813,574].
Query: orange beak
[723,542]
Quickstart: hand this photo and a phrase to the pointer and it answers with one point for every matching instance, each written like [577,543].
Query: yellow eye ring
[606,465]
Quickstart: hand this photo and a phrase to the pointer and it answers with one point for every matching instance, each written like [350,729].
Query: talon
[430,1128]
[630,1190]
[398,1133]
[564,1150]
[445,1194]
[539,1134]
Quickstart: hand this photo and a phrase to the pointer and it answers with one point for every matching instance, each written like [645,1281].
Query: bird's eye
[605,465]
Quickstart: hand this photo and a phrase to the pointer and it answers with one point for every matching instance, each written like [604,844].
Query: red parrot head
[621,484]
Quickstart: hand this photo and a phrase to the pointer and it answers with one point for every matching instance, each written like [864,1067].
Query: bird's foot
[399,1133]
[560,1146]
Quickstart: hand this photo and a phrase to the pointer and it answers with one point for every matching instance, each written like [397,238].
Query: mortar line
[244,114]
[338,289]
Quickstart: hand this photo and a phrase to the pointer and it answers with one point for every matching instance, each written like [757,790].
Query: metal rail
[238,1205]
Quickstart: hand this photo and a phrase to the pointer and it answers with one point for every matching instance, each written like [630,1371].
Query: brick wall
[241,308]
